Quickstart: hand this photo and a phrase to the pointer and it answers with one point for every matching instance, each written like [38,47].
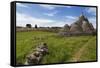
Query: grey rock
[35,57]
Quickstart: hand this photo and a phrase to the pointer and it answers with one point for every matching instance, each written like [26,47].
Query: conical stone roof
[91,26]
[82,25]
[75,28]
[87,27]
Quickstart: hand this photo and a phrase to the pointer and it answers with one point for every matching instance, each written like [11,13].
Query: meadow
[61,49]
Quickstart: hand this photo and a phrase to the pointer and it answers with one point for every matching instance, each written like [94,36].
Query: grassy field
[61,49]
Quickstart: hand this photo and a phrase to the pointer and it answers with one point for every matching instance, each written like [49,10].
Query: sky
[51,15]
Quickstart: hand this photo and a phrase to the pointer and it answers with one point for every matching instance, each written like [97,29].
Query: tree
[35,25]
[28,25]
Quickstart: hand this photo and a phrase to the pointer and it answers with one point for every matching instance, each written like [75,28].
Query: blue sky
[52,15]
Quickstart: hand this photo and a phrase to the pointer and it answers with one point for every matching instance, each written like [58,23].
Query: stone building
[82,26]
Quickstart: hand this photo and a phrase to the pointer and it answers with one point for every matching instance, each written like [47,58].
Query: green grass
[91,48]
[61,49]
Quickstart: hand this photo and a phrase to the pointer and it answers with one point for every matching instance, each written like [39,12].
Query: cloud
[50,7]
[91,10]
[21,5]
[71,17]
[68,6]
[51,14]
[23,19]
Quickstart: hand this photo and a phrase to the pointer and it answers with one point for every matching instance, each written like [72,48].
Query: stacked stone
[35,57]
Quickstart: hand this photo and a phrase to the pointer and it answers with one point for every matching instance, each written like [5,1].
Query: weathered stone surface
[66,28]
[87,27]
[36,56]
[91,26]
[80,19]
[75,28]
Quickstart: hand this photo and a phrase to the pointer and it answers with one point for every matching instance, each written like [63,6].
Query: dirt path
[77,55]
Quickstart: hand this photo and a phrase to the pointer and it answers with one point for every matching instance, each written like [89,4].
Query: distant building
[28,25]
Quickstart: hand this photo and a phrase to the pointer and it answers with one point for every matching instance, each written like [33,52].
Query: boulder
[36,56]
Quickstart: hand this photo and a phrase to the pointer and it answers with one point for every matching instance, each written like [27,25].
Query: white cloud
[91,10]
[71,17]
[68,6]
[69,21]
[23,19]
[21,5]
[50,7]
[51,14]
